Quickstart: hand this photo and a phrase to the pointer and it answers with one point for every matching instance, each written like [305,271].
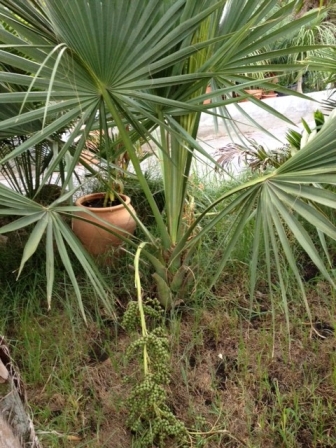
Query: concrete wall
[292,107]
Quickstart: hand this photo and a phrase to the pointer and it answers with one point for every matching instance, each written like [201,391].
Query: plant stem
[140,304]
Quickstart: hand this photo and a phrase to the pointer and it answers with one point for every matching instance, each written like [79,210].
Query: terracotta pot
[96,240]
[269,95]
[257,93]
[208,90]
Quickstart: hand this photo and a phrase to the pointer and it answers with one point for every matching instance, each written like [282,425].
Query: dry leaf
[74,438]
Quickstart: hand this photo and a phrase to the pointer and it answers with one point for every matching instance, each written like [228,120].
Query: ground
[242,374]
[237,380]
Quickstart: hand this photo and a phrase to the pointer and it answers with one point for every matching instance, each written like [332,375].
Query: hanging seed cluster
[149,414]
[131,319]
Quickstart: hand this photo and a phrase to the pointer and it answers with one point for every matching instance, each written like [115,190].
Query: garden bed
[239,376]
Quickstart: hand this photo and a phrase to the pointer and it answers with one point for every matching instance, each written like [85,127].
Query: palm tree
[98,64]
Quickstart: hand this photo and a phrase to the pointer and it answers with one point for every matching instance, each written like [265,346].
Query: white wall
[290,106]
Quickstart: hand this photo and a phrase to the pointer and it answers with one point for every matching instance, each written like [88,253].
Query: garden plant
[89,65]
[157,83]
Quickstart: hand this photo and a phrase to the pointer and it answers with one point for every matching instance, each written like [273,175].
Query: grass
[238,378]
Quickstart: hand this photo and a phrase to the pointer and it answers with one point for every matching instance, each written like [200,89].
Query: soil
[99,203]
[233,372]
[230,372]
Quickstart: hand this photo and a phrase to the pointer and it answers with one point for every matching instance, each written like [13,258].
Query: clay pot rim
[269,95]
[253,90]
[88,197]
[257,93]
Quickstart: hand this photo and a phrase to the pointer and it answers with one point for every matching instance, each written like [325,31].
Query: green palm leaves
[50,228]
[282,203]
[92,64]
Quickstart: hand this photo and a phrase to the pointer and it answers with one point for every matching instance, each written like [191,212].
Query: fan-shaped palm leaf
[146,66]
